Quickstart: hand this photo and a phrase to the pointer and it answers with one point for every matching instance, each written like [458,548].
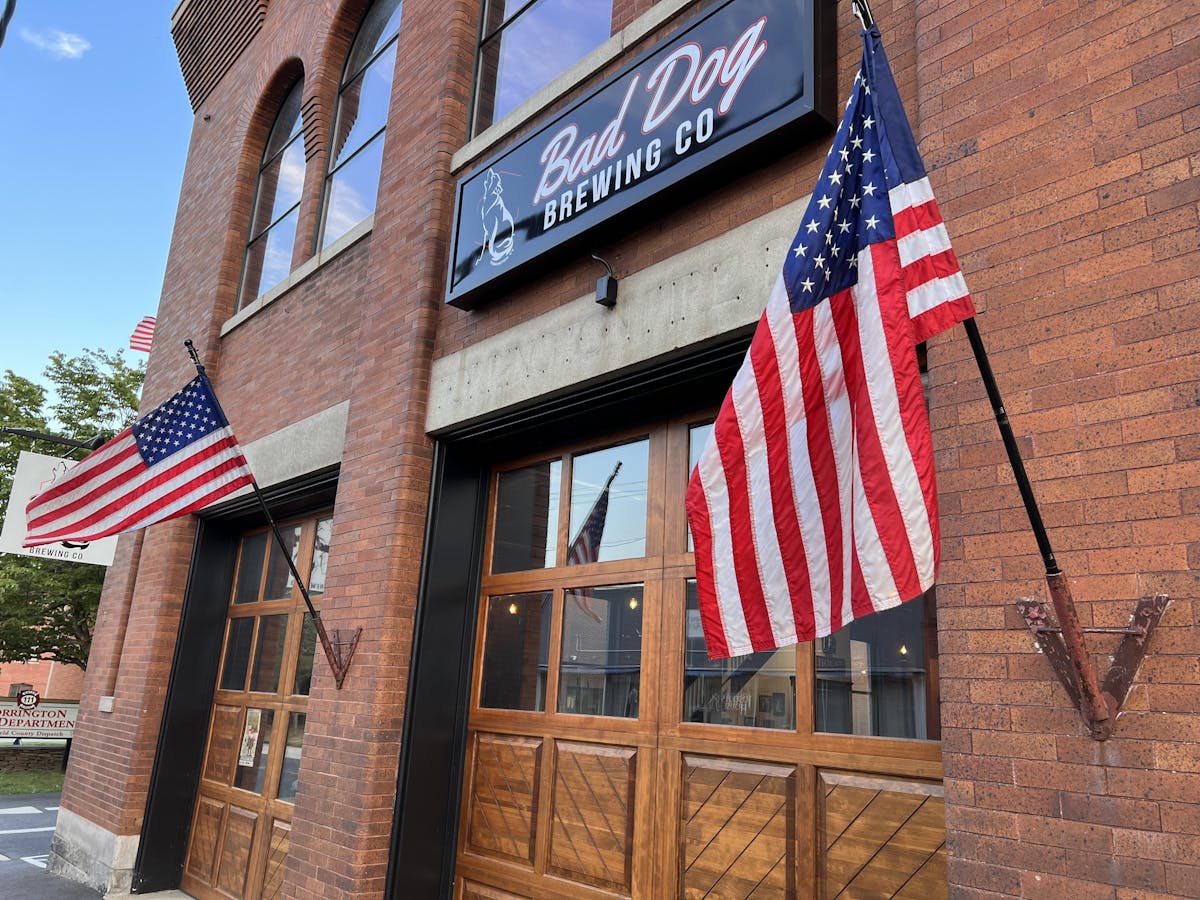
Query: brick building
[50,679]
[522,720]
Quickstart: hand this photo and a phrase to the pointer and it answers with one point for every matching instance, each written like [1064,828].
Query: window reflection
[320,557]
[250,568]
[279,573]
[360,121]
[757,690]
[272,238]
[516,652]
[526,528]
[289,777]
[601,651]
[237,654]
[608,504]
[874,677]
[528,45]
[697,438]
[268,655]
[304,664]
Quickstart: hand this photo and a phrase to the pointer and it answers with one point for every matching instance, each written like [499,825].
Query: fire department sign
[736,81]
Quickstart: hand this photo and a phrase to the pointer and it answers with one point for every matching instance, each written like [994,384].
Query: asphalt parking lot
[26,827]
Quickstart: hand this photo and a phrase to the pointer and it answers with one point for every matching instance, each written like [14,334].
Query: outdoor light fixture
[606,285]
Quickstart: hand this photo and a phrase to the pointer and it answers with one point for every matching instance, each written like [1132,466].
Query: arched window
[356,151]
[276,203]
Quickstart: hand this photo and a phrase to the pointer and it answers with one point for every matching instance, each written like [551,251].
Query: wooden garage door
[242,823]
[609,757]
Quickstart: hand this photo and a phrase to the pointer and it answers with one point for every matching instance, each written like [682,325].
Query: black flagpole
[336,663]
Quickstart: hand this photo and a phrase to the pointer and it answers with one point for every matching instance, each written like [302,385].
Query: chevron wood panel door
[609,757]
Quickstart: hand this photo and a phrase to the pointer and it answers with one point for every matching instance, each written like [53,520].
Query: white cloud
[58,44]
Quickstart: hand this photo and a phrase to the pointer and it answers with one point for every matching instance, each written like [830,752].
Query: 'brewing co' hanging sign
[746,71]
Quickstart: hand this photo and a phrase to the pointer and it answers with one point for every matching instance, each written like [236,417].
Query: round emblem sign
[28,699]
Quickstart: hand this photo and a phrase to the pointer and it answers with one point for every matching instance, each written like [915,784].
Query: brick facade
[1062,143]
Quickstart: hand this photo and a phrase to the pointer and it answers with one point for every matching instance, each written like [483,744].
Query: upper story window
[526,44]
[272,238]
[356,151]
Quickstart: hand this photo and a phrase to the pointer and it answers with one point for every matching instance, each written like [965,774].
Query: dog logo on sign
[499,232]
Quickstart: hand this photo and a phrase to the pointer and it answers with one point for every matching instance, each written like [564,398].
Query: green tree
[48,606]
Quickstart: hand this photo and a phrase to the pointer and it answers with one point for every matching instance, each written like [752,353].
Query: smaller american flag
[586,546]
[143,335]
[177,459]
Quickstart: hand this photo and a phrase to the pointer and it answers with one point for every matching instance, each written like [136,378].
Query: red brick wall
[1065,144]
[54,681]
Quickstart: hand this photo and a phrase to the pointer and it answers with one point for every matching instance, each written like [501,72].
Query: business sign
[44,719]
[747,71]
[33,471]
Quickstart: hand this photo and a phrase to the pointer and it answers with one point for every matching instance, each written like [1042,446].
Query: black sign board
[746,71]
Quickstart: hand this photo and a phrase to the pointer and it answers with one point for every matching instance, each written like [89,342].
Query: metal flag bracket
[1065,659]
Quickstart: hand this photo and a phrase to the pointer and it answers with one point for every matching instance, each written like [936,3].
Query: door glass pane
[279,574]
[608,504]
[527,517]
[304,665]
[268,655]
[757,690]
[254,749]
[249,577]
[601,651]
[873,676]
[320,559]
[516,652]
[697,438]
[290,778]
[237,654]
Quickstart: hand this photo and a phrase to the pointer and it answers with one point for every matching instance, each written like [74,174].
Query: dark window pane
[609,525]
[873,677]
[601,651]
[249,577]
[268,655]
[289,778]
[379,27]
[697,438]
[237,654]
[279,573]
[527,518]
[352,191]
[287,121]
[254,750]
[757,690]
[304,665]
[363,108]
[535,47]
[516,652]
[320,559]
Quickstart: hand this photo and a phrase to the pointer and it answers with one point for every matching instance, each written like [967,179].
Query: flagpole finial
[862,9]
[195,357]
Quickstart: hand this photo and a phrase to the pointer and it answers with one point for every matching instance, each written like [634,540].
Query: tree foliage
[48,606]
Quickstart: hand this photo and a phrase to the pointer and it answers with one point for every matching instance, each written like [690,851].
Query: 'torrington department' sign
[747,70]
[46,720]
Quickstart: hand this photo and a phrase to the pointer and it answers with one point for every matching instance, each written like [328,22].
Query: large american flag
[814,502]
[179,458]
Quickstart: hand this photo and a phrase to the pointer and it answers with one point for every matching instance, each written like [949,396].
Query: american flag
[586,546]
[179,458]
[814,502]
[143,335]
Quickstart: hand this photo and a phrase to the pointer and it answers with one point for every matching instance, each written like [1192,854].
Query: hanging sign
[747,71]
[33,471]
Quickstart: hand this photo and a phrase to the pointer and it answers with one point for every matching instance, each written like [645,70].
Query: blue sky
[94,127]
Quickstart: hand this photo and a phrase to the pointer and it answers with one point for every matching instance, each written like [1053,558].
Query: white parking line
[51,808]
[39,861]
[3,858]
[20,810]
[26,830]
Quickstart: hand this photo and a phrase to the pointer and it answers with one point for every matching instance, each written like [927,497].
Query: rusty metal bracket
[1122,669]
[338,663]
